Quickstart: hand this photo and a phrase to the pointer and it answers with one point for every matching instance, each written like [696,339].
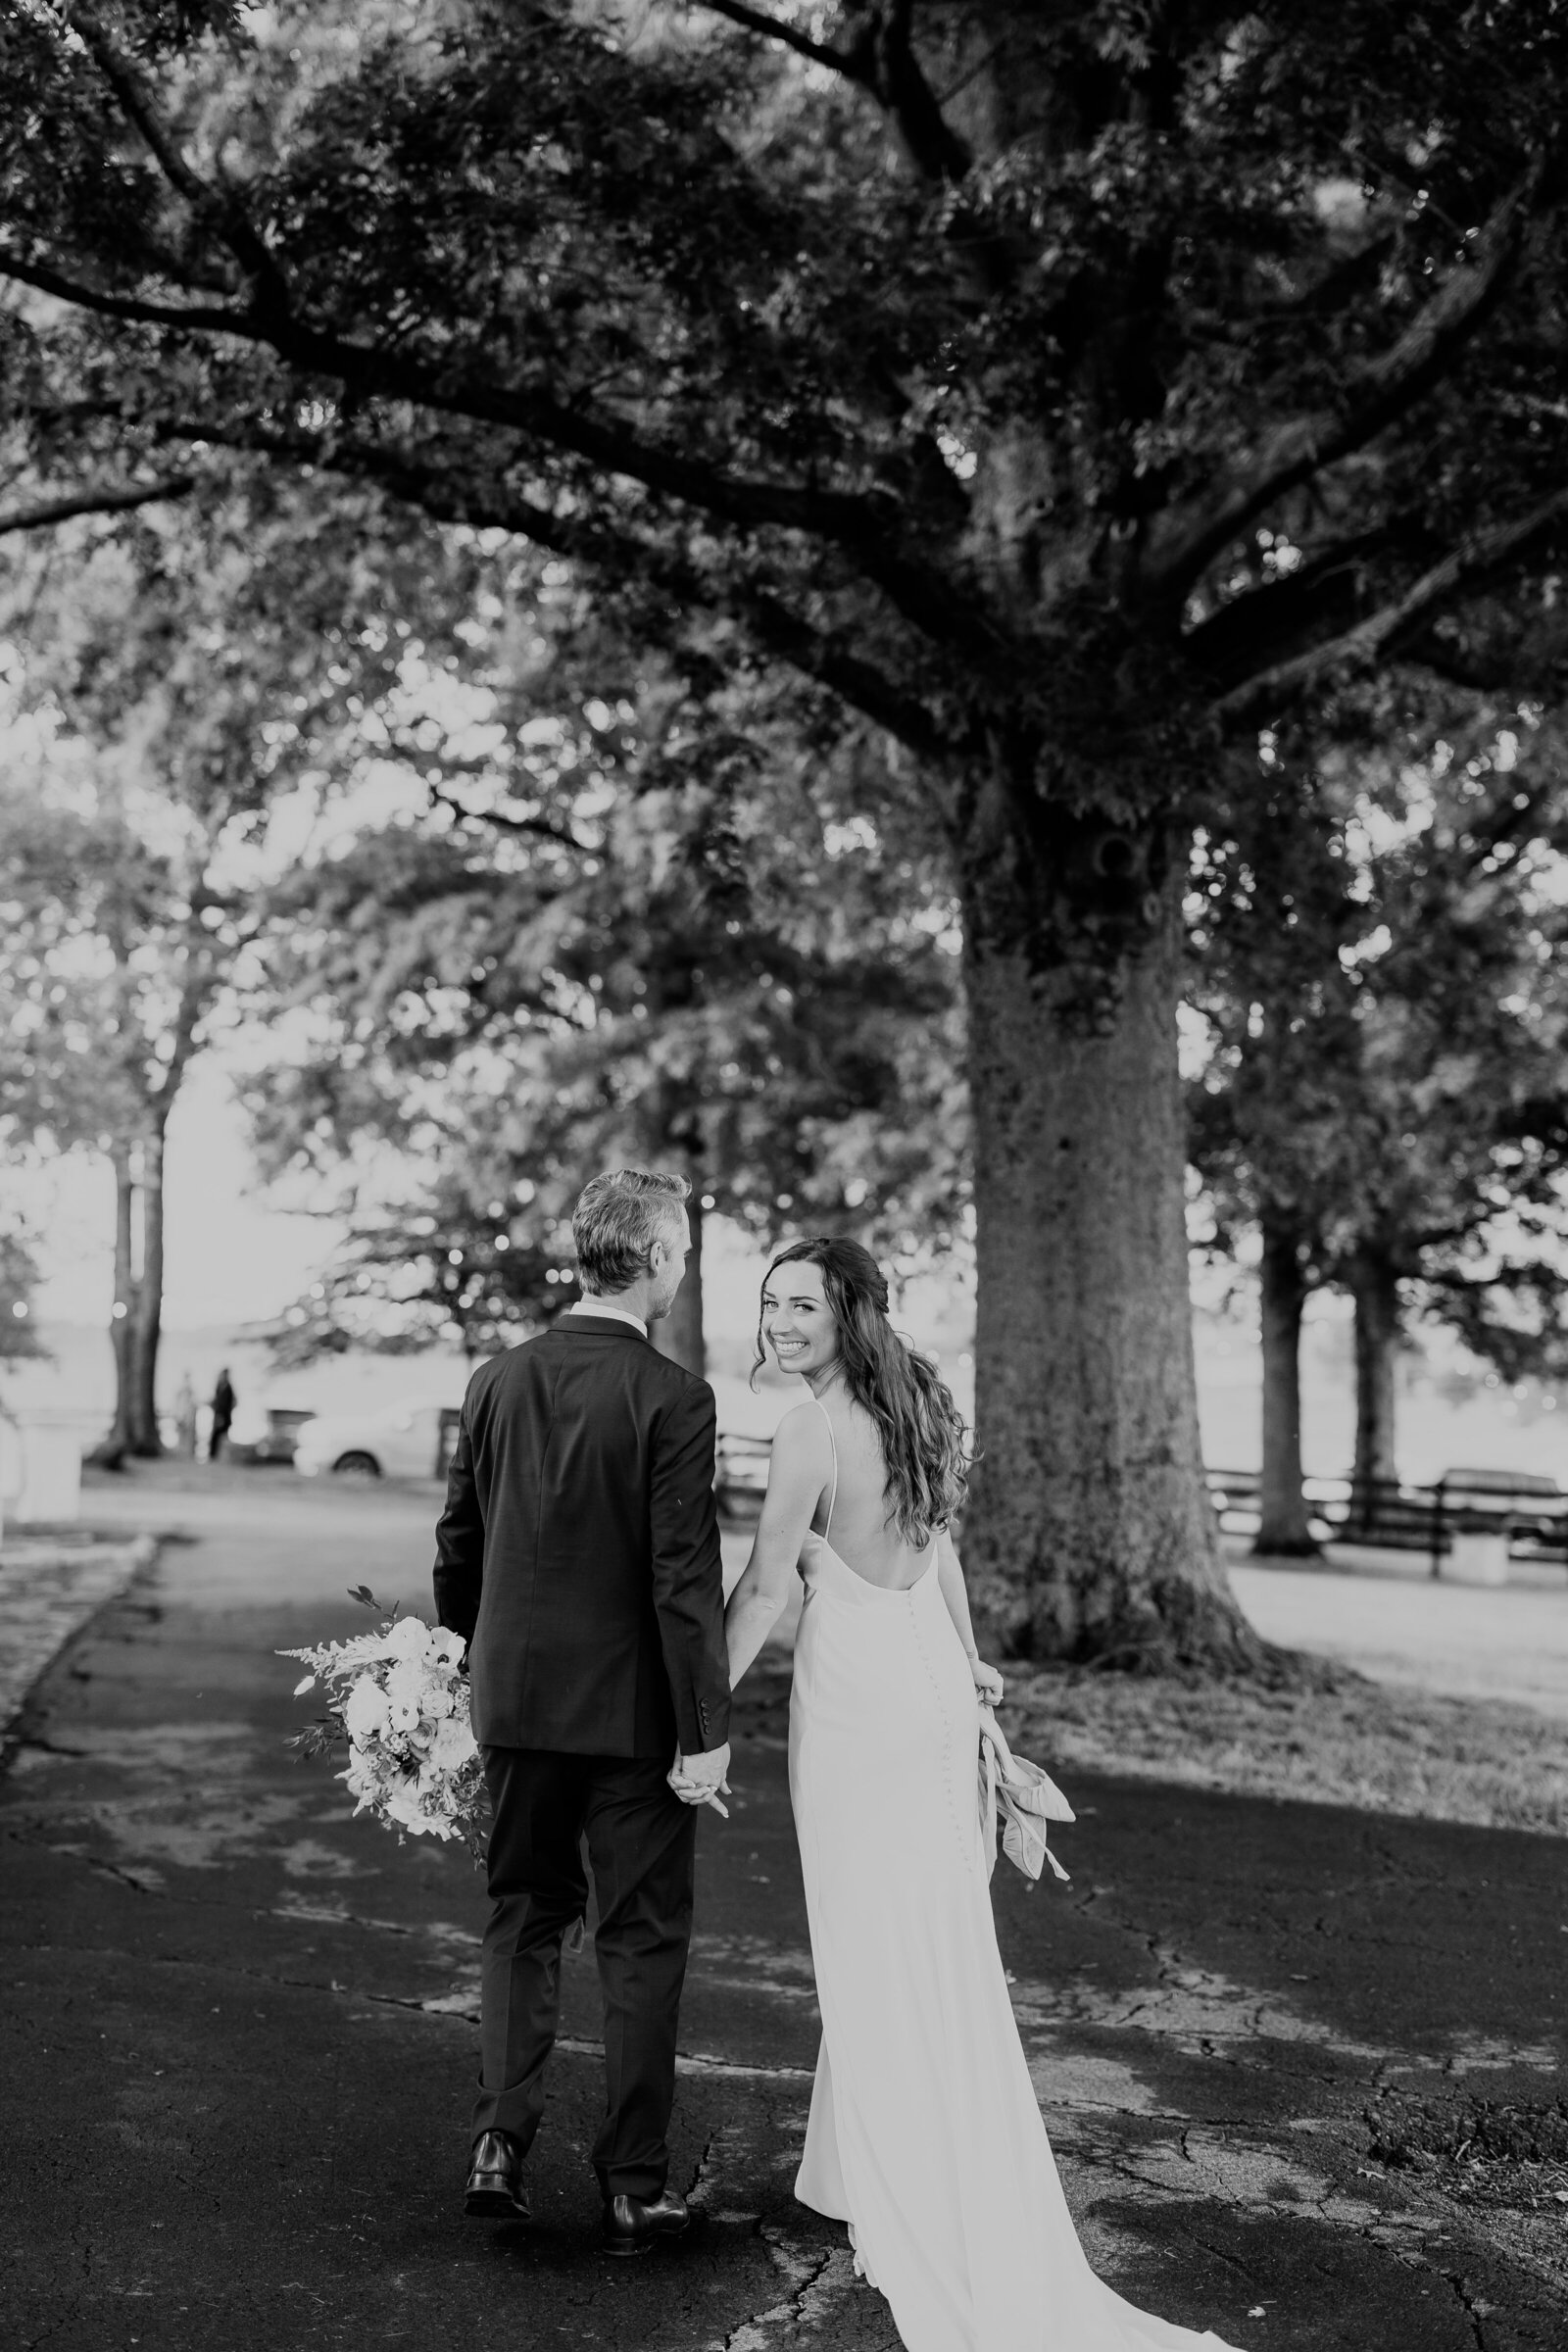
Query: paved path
[238,2040]
[48,1590]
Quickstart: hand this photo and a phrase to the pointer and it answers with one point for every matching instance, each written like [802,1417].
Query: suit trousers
[642,1848]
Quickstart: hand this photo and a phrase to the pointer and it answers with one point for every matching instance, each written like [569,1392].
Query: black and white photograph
[784,1175]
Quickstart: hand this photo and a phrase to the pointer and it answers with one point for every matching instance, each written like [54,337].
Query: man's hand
[698,1780]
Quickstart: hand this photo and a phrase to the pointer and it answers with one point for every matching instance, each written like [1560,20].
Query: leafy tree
[416,1276]
[1460,1125]
[108,971]
[1067,393]
[647,940]
[180,679]
[1270,915]
[1388,1094]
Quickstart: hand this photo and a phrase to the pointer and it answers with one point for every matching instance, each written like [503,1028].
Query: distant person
[224,1403]
[185,1417]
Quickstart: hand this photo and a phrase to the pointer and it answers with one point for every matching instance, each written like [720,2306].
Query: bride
[925,2132]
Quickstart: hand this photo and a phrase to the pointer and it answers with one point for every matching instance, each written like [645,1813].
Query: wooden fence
[1389,1515]
[1381,1513]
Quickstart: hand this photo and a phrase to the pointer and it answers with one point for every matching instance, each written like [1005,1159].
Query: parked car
[283,1432]
[402,1440]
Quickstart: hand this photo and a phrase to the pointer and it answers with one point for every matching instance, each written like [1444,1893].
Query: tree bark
[1282,1521]
[148,1311]
[1375,1289]
[680,1334]
[122,1335]
[1089,1533]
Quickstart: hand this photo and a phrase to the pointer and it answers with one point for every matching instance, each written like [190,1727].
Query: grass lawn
[1497,1765]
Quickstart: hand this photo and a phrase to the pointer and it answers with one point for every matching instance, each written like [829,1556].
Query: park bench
[1385,1514]
[1531,1513]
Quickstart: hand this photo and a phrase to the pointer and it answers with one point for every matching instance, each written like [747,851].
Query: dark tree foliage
[1068,391]
[454,1267]
[1385,976]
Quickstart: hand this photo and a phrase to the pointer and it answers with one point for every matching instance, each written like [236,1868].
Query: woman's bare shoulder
[803,1434]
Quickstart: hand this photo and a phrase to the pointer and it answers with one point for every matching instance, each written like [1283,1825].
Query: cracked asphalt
[239,2029]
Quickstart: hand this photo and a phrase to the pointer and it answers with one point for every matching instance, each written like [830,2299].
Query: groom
[578,1555]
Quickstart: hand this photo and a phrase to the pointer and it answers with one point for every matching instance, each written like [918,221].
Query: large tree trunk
[148,1313]
[1375,1289]
[680,1334]
[1089,1532]
[1282,1524]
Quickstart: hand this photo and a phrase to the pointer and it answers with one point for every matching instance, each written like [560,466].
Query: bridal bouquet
[397,1701]
[1019,1797]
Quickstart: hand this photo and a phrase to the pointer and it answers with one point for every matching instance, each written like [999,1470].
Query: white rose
[366,1714]
[452,1744]
[404,1807]
[408,1638]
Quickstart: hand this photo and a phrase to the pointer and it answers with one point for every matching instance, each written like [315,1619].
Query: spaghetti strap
[833,1491]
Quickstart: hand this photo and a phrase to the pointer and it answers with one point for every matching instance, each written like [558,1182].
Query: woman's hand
[988,1685]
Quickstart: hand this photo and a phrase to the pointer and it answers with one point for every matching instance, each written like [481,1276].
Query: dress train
[925,2136]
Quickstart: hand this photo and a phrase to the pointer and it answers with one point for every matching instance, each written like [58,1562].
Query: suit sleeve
[688,1571]
[460,1542]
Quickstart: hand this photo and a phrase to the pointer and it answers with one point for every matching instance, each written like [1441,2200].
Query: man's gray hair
[618,1217]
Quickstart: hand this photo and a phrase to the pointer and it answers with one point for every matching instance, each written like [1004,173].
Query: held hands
[698,1780]
[988,1683]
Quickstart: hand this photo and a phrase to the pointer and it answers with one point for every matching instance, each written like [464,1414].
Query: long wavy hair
[922,1430]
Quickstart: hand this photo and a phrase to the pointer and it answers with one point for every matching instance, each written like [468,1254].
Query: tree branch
[1238,636]
[857,523]
[774,626]
[129,308]
[192,1004]
[933,144]
[773,28]
[881,62]
[536,827]
[1302,446]
[851,521]
[1479,553]
[219,209]
[101,498]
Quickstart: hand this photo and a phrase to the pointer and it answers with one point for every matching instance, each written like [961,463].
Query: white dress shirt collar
[602,1306]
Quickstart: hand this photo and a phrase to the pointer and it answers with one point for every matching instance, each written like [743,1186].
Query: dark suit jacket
[578,1551]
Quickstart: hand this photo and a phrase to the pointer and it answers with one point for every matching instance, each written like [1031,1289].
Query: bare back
[854,1516]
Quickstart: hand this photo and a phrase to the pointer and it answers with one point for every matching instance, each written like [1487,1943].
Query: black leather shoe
[634,2223]
[495,2192]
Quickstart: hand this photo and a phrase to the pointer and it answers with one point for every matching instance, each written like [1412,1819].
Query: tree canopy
[1381,965]
[637,923]
[1067,394]
[174,682]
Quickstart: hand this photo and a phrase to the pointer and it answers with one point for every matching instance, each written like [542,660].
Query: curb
[48,1594]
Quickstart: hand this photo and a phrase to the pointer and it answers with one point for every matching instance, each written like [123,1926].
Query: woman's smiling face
[797,1320]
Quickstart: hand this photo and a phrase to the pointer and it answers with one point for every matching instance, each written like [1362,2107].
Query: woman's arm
[797,1478]
[950,1578]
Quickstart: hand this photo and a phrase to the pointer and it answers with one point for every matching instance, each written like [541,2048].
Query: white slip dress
[925,2132]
